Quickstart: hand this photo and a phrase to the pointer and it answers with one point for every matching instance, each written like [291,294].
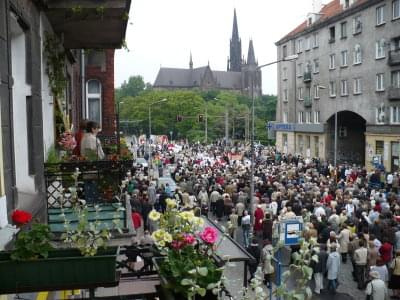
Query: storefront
[382,149]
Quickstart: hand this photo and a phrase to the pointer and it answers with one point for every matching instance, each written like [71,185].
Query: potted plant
[34,265]
[188,268]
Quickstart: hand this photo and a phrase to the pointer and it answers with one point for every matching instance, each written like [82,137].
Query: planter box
[167,293]
[63,269]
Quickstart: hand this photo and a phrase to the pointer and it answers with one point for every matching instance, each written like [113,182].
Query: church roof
[188,78]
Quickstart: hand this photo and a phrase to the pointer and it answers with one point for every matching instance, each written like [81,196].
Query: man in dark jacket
[254,250]
[319,269]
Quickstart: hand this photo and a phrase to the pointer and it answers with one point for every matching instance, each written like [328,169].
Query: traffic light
[201,118]
[179,118]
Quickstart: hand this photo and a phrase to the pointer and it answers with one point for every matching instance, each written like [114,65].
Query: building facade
[30,113]
[347,69]
[242,76]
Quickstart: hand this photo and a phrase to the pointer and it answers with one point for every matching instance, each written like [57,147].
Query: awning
[89,24]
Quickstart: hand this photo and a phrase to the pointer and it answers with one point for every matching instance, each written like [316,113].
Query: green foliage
[189,104]
[33,244]
[52,156]
[55,65]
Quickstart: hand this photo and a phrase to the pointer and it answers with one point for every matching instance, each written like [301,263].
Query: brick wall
[106,77]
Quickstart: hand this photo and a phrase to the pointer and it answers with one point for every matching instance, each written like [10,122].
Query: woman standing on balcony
[79,136]
[90,144]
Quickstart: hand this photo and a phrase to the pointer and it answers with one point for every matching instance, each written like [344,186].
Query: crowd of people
[353,214]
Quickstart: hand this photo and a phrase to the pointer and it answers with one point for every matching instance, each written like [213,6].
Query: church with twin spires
[242,76]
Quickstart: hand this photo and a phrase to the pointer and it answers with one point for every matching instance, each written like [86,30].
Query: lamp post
[252,152]
[118,128]
[150,105]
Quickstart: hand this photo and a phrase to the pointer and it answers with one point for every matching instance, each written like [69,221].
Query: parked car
[162,181]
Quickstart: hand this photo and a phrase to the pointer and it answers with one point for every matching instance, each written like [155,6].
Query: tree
[132,88]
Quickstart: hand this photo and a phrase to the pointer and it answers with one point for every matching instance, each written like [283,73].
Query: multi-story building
[348,66]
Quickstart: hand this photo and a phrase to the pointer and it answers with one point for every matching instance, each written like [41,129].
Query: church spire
[235,48]
[251,59]
[235,31]
[191,61]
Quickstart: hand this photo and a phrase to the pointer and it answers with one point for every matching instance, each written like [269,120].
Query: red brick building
[99,103]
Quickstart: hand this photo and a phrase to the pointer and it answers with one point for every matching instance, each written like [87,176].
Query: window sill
[379,91]
[315,47]
[343,37]
[356,94]
[332,96]
[380,25]
[284,79]
[357,33]
[331,41]
[316,72]
[300,99]
[317,98]
[395,19]
[344,66]
[344,95]
[308,50]
[331,69]
[357,64]
[380,58]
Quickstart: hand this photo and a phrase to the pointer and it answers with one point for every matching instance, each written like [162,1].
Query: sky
[164,32]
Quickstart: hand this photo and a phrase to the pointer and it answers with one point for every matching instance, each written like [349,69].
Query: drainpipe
[83,92]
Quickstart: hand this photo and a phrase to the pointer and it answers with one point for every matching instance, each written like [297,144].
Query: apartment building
[347,69]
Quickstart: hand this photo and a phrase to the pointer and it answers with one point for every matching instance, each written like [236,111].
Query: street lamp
[150,105]
[252,152]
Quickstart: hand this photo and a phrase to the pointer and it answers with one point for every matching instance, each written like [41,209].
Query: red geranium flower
[21,217]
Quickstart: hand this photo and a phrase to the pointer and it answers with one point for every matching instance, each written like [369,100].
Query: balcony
[394,57]
[307,77]
[307,101]
[394,93]
[89,24]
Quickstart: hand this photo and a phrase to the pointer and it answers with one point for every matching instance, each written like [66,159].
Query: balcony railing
[99,183]
[307,77]
[394,57]
[307,101]
[394,93]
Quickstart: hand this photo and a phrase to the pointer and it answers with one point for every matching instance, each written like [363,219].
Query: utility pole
[206,124]
[226,126]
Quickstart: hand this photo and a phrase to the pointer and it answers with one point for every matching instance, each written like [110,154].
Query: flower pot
[63,269]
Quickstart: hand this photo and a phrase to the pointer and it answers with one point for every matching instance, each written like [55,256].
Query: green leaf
[186,281]
[201,291]
[202,271]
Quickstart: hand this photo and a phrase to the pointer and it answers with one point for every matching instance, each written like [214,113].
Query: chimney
[317,6]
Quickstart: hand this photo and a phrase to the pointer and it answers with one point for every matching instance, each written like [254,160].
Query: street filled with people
[353,214]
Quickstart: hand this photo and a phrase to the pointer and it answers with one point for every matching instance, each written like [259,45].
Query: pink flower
[209,235]
[189,239]
[177,244]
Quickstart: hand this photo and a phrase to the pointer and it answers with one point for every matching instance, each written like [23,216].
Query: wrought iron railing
[394,57]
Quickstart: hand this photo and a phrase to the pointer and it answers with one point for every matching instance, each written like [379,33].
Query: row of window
[380,19]
[344,87]
[394,115]
[307,117]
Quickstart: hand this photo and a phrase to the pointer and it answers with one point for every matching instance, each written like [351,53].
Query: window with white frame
[357,25]
[308,67]
[344,91]
[395,114]
[380,15]
[299,45]
[315,42]
[357,88]
[316,66]
[396,79]
[308,117]
[380,82]
[380,115]
[396,9]
[380,49]
[285,117]
[285,95]
[343,30]
[300,117]
[332,89]
[331,61]
[308,43]
[284,73]
[93,100]
[316,117]
[299,69]
[316,91]
[300,93]
[357,54]
[343,56]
